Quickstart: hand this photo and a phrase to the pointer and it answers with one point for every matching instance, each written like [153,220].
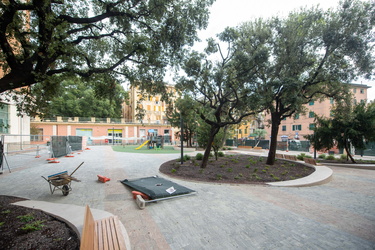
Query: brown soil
[236,168]
[26,228]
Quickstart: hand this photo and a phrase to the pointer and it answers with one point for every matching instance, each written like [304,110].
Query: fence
[22,150]
[300,146]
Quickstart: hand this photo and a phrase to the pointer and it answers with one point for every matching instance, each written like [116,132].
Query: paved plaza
[336,215]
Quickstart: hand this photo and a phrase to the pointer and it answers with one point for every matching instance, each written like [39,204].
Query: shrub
[343,157]
[220,154]
[322,156]
[330,157]
[199,156]
[173,170]
[303,155]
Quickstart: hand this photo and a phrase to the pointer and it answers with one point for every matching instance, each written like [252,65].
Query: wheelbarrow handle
[45,178]
[77,168]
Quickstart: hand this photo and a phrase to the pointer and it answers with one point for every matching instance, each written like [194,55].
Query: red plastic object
[54,161]
[103,179]
[144,196]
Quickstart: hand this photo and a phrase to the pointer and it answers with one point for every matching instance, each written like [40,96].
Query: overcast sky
[230,13]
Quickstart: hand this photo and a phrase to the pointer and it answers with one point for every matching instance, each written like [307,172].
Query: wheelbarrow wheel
[65,190]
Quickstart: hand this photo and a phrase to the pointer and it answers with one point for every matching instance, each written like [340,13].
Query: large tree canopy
[224,98]
[349,125]
[135,39]
[79,99]
[306,56]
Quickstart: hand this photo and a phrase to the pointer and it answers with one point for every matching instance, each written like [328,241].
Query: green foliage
[173,170]
[199,156]
[350,123]
[77,98]
[310,50]
[6,212]
[330,157]
[221,154]
[343,157]
[301,156]
[34,226]
[185,108]
[133,41]
[322,156]
[2,223]
[26,218]
[185,158]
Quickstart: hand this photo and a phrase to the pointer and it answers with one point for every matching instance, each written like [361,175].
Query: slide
[142,145]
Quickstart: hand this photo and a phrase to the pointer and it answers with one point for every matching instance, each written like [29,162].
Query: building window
[311,114]
[296,116]
[354,90]
[4,118]
[311,126]
[284,128]
[297,127]
[362,91]
[311,103]
[331,100]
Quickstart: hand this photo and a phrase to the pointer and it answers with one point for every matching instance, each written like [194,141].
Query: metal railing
[100,120]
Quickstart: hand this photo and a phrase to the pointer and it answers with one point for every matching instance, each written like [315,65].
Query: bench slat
[101,234]
[89,239]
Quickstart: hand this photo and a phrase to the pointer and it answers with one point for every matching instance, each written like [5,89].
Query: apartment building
[295,128]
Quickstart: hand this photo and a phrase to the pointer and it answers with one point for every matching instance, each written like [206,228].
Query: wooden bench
[290,157]
[280,156]
[257,147]
[101,234]
[310,161]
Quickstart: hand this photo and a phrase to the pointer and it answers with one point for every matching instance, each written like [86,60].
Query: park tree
[203,136]
[44,41]
[184,108]
[76,98]
[349,125]
[211,79]
[306,56]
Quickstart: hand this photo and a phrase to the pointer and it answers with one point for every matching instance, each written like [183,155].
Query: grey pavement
[337,215]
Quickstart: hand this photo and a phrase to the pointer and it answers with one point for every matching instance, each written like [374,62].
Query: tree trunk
[348,152]
[206,155]
[274,132]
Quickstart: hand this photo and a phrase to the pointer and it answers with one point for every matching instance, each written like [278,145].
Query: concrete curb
[321,176]
[73,215]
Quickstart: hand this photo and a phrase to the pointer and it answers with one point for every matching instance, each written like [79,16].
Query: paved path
[336,215]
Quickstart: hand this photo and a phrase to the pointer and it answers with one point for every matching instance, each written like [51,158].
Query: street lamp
[182,138]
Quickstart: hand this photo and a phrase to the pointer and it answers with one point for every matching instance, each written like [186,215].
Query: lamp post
[182,138]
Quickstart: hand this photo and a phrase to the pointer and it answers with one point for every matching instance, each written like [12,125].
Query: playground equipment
[142,145]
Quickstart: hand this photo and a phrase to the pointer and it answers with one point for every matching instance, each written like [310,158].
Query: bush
[199,156]
[330,157]
[220,154]
[303,155]
[322,156]
[343,157]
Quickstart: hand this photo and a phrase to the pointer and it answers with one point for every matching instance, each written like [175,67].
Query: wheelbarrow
[61,181]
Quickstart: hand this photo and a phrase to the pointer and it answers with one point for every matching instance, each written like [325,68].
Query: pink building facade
[295,128]
[99,131]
